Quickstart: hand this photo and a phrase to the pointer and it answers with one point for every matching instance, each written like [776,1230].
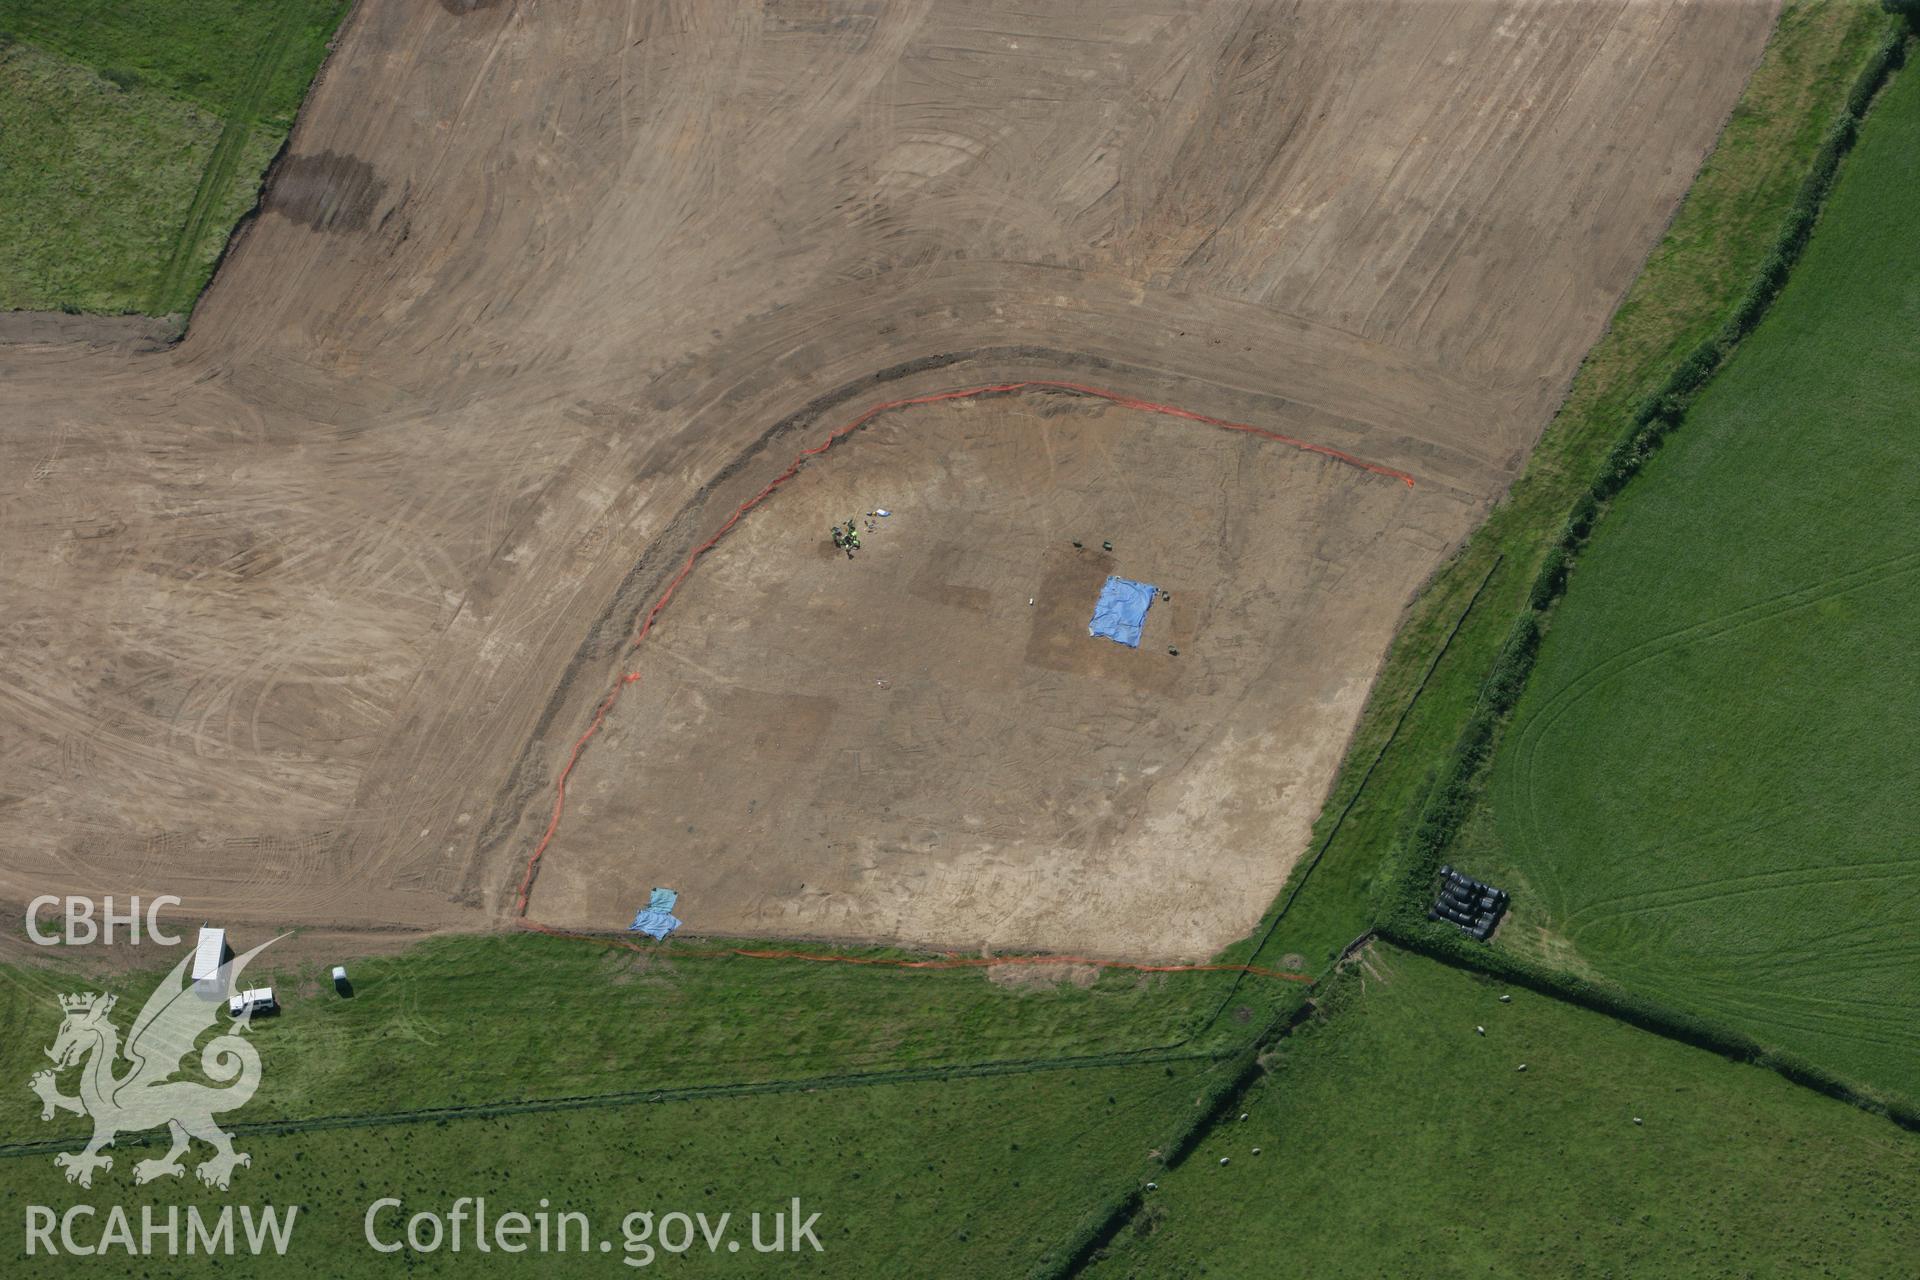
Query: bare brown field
[924,743]
[302,616]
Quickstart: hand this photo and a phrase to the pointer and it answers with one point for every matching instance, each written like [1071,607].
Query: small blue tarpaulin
[658,920]
[1121,610]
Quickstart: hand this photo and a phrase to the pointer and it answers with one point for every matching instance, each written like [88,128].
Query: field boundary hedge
[1303,870]
[1440,805]
[1459,784]
[1104,1221]
[1243,1069]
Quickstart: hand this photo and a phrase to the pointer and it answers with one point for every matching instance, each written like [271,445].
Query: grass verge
[465,1021]
[137,135]
[92,181]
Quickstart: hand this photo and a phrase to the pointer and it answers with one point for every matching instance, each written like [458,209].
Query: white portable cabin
[209,955]
[254,999]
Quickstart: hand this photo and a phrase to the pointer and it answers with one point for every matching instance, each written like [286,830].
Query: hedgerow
[1458,786]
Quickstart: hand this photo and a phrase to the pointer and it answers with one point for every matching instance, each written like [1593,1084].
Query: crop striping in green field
[1396,1141]
[471,1021]
[1707,785]
[1692,283]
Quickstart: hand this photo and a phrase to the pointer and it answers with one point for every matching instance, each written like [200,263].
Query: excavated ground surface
[901,745]
[301,616]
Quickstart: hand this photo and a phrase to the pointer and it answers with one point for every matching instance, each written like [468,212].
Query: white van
[253,1000]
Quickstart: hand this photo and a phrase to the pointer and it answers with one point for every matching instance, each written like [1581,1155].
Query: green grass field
[463,1021]
[1000,1116]
[136,135]
[1691,284]
[968,1177]
[1004,1120]
[1397,1142]
[1706,792]
[93,179]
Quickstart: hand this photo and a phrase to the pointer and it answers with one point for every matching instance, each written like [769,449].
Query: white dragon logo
[175,1016]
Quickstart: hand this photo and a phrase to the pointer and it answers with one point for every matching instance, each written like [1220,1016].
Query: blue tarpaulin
[1121,610]
[658,920]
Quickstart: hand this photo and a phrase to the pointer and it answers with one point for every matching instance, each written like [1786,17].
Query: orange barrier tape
[793,469]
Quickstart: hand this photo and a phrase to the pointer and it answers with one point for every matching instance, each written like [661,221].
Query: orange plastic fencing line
[793,469]
[948,961]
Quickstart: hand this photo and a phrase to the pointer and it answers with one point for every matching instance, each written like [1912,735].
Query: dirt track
[301,616]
